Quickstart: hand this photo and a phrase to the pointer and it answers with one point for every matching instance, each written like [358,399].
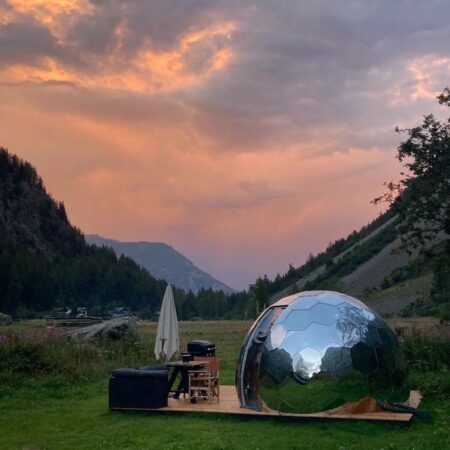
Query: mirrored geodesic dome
[316,350]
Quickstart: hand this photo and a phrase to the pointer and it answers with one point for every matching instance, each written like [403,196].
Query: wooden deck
[229,404]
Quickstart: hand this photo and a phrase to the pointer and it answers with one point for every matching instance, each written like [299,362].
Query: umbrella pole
[162,348]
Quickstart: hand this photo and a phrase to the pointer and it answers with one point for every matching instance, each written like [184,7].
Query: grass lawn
[50,413]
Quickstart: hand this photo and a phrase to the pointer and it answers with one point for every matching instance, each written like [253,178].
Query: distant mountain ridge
[164,262]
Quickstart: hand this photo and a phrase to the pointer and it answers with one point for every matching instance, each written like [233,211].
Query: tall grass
[35,354]
[45,354]
[41,354]
[429,363]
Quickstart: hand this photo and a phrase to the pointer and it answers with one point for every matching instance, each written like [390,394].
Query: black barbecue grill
[201,348]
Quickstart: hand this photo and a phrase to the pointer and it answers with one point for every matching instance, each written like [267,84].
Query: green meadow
[53,395]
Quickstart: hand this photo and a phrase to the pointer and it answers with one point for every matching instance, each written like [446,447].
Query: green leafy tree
[260,289]
[189,307]
[293,289]
[422,198]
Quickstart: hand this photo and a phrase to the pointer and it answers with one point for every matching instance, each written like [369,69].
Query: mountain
[163,261]
[45,261]
[372,265]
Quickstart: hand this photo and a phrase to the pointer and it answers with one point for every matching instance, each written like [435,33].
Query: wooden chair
[204,383]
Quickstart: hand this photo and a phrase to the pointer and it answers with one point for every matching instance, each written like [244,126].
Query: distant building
[122,311]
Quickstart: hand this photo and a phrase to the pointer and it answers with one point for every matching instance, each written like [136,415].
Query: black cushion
[155,367]
[139,373]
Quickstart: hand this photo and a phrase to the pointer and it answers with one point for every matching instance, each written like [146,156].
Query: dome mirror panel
[283,316]
[337,361]
[307,362]
[277,335]
[328,298]
[279,366]
[372,336]
[297,320]
[295,340]
[323,314]
[304,303]
[364,358]
[349,332]
[320,337]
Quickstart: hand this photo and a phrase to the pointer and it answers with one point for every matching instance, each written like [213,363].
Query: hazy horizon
[244,135]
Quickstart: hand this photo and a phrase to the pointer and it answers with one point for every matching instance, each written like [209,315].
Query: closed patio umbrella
[167,337]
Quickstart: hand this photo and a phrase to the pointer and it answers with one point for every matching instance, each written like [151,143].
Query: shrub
[425,354]
[429,363]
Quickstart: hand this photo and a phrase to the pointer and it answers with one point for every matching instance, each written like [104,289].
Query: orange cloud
[148,71]
[45,11]
[51,13]
[50,71]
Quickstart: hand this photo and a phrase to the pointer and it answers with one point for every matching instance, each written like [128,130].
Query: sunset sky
[247,134]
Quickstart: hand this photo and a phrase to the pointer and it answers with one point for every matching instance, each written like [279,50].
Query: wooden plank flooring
[229,404]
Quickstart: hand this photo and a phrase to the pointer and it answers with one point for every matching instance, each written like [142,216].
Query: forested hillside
[29,217]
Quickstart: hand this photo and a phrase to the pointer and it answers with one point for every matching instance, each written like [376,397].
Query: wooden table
[180,367]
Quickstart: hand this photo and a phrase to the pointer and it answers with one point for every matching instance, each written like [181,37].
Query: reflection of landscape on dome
[327,342]
[324,393]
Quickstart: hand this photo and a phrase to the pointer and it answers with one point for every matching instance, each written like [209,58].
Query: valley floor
[53,413]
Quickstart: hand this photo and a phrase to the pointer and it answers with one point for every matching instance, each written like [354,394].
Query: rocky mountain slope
[374,268]
[163,261]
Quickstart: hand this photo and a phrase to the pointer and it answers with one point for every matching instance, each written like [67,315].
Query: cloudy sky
[246,134]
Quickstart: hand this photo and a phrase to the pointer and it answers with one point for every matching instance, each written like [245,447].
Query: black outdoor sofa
[139,388]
